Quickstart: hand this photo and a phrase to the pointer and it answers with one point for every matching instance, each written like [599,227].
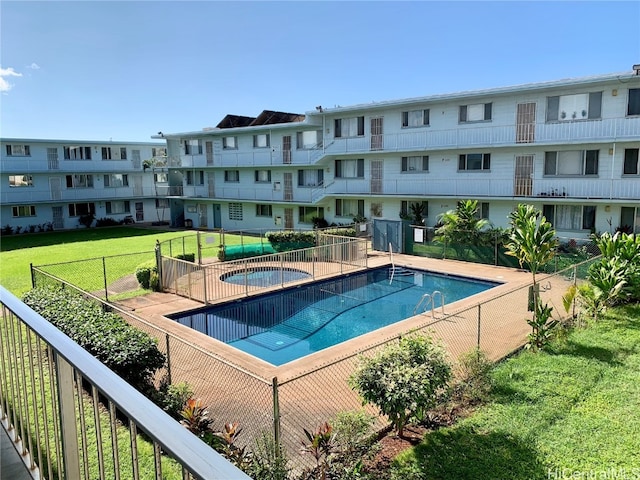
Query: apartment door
[55,186]
[376,134]
[525,122]
[376,176]
[217,218]
[211,184]
[288,218]
[286,149]
[288,187]
[523,181]
[202,215]
[135,159]
[208,148]
[137,185]
[58,219]
[139,211]
[52,158]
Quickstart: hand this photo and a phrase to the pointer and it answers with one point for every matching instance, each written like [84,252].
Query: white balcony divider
[36,357]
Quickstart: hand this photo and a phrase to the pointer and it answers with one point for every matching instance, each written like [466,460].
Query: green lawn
[573,409]
[18,251]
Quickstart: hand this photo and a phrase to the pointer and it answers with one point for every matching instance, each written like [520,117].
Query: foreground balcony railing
[54,396]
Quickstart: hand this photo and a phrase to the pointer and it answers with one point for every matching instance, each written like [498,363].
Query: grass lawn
[572,410]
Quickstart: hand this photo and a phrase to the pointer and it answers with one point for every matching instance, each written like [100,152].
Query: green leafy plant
[129,352]
[87,220]
[473,376]
[462,228]
[533,242]
[195,418]
[269,459]
[143,274]
[404,380]
[188,257]
[172,398]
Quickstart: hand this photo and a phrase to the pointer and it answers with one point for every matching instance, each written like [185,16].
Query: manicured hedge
[285,240]
[127,351]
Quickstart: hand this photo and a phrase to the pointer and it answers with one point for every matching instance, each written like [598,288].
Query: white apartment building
[52,183]
[569,147]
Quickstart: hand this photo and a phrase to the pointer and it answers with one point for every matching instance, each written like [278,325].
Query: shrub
[269,459]
[473,375]
[404,380]
[127,351]
[107,222]
[341,232]
[188,257]
[173,398]
[7,230]
[154,281]
[87,220]
[144,272]
[285,240]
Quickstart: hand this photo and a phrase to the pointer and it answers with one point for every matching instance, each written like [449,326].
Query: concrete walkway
[11,465]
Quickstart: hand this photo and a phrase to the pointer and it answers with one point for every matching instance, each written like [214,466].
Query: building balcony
[598,131]
[20,165]
[50,388]
[29,195]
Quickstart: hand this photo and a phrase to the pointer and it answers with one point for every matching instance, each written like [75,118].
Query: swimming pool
[292,323]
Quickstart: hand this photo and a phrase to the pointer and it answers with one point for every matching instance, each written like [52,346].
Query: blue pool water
[264,276]
[292,323]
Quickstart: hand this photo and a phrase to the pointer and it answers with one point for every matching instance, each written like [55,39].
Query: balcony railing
[22,195]
[607,130]
[52,391]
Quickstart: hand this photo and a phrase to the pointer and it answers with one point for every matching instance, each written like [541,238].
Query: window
[349,208]
[158,151]
[405,208]
[310,178]
[195,177]
[79,181]
[309,140]
[571,217]
[631,166]
[162,203]
[348,127]
[580,106]
[474,161]
[232,176]
[235,211]
[229,143]
[20,180]
[117,207]
[77,153]
[630,219]
[114,153]
[18,151]
[478,112]
[633,107]
[77,209]
[350,168]
[263,176]
[415,164]
[24,211]
[483,210]
[415,118]
[307,214]
[116,180]
[573,162]
[193,147]
[261,141]
[263,210]
[161,177]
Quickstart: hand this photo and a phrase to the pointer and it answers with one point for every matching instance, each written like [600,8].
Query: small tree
[404,380]
[462,227]
[533,242]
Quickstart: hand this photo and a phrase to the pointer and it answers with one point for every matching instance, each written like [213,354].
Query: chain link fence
[489,248]
[305,399]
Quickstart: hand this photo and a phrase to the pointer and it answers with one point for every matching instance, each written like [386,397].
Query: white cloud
[34,66]
[5,86]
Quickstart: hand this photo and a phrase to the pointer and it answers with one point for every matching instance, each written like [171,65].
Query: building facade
[52,184]
[569,147]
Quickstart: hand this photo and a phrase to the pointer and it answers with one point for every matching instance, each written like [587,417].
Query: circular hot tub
[264,276]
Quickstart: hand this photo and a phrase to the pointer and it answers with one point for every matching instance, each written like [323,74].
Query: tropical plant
[320,444]
[462,228]
[404,380]
[269,459]
[533,242]
[473,375]
[195,418]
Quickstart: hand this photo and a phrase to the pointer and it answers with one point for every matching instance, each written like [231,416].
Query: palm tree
[461,227]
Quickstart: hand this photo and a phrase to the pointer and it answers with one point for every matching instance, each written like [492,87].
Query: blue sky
[124,70]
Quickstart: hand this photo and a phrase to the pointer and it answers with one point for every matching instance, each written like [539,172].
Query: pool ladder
[430,298]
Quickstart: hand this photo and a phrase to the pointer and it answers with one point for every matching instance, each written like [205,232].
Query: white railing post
[68,427]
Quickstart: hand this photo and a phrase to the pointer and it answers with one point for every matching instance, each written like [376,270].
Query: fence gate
[387,232]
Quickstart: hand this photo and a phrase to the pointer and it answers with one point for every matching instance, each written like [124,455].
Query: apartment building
[569,147]
[52,183]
